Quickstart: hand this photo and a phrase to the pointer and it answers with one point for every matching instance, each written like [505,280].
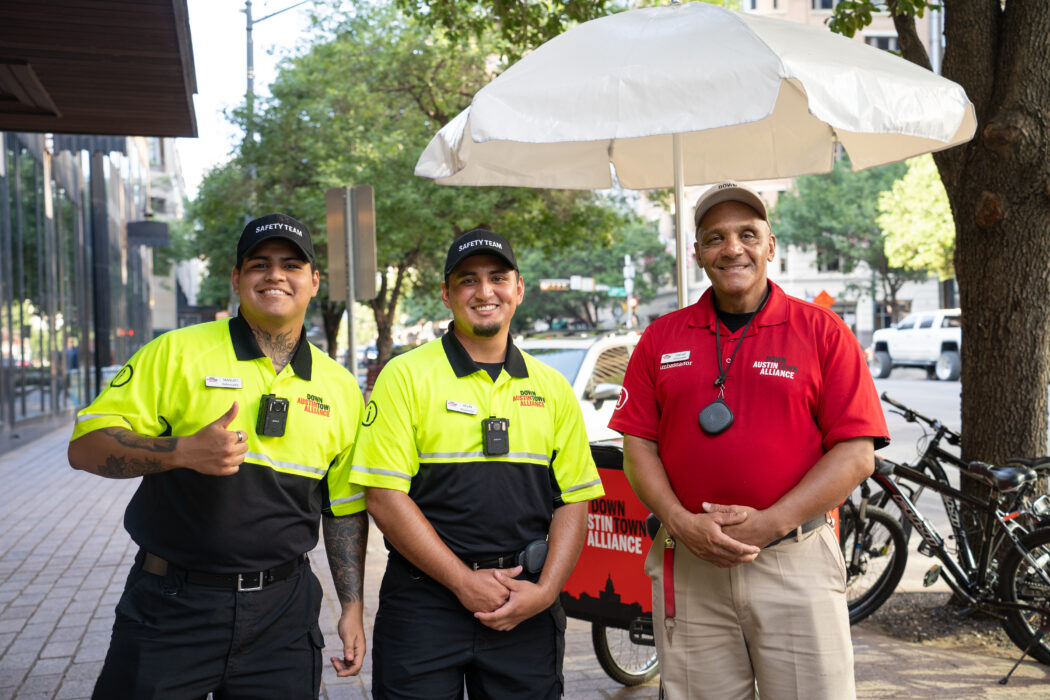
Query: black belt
[802,529]
[254,581]
[502,561]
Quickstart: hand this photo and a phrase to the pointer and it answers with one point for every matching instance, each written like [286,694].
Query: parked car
[594,362]
[928,339]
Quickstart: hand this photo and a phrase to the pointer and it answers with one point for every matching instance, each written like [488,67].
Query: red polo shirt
[798,386]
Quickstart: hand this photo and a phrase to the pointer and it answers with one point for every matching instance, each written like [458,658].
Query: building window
[885,42]
[828,261]
[824,4]
[783,266]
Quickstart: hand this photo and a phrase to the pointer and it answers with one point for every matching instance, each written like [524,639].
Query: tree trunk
[384,306]
[332,318]
[999,189]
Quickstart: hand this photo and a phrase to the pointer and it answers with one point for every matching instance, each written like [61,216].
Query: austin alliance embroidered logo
[774,366]
[315,404]
[527,397]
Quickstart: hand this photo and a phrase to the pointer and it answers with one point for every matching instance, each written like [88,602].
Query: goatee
[486,330]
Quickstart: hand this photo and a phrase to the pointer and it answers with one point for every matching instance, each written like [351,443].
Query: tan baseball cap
[728,191]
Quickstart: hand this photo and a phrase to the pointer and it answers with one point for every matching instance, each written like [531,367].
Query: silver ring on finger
[240,436]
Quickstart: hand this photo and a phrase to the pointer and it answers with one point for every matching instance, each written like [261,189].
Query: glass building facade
[74,284]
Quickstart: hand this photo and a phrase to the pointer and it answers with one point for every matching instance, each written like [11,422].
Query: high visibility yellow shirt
[269,511]
[422,434]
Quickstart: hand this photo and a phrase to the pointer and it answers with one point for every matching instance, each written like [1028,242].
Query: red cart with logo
[608,587]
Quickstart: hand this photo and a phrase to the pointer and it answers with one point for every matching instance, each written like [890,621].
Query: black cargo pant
[427,646]
[182,641]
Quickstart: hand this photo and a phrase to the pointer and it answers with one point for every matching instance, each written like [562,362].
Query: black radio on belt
[273,416]
[495,440]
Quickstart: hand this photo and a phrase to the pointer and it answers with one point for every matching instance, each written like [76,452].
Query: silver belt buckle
[259,582]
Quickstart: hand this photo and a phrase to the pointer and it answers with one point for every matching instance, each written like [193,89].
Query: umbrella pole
[680,210]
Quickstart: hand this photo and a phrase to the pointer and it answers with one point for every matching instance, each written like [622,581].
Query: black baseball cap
[479,242]
[275,226]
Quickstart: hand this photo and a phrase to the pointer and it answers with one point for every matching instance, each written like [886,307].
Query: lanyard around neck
[718,337]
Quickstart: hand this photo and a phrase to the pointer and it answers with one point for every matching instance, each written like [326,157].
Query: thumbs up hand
[215,450]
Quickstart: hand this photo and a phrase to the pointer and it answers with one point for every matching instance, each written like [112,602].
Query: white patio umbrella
[690,95]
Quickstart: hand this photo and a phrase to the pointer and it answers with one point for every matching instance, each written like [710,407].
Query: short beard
[487,330]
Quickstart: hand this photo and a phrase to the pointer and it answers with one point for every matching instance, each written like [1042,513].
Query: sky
[217,29]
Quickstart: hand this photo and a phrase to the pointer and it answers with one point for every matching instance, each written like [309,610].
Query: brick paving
[64,555]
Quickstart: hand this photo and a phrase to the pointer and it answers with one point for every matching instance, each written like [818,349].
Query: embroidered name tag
[460,407]
[674,357]
[223,382]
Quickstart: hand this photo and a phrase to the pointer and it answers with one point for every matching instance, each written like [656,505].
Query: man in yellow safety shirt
[478,473]
[241,432]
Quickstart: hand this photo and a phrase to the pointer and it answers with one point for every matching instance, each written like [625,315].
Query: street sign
[824,299]
[617,291]
[579,283]
[554,285]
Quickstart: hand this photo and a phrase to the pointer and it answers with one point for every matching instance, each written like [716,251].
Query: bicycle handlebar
[912,416]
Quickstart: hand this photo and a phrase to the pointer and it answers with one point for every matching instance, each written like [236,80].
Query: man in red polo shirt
[747,416]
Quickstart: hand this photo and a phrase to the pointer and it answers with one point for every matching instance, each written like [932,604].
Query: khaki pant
[780,621]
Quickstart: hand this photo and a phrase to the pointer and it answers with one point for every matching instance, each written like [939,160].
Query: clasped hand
[525,599]
[711,535]
[499,600]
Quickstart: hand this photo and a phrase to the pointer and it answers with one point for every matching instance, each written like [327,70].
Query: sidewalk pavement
[64,556]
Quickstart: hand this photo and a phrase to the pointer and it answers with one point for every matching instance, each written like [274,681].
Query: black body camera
[495,439]
[273,416]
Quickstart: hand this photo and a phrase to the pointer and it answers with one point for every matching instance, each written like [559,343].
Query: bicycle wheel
[875,551]
[1020,582]
[623,660]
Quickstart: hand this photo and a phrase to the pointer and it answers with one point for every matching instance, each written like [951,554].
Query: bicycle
[1016,589]
[933,458]
[874,547]
[876,553]
[875,541]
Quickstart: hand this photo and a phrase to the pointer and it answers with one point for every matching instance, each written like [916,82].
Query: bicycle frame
[969,576]
[932,460]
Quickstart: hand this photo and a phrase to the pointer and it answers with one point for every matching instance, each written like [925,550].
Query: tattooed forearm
[130,439]
[279,348]
[124,468]
[128,467]
[345,539]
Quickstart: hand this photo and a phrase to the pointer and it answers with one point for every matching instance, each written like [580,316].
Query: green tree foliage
[602,262]
[521,25]
[836,214]
[358,107]
[917,221]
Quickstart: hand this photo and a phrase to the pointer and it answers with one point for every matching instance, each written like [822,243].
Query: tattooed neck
[279,347]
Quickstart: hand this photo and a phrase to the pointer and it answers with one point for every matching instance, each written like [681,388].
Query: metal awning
[120,67]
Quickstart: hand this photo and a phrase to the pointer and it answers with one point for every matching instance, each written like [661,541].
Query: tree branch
[908,38]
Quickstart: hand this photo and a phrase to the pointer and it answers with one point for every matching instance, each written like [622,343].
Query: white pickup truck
[928,339]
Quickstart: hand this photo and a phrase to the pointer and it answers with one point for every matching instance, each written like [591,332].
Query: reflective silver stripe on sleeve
[589,484]
[481,455]
[450,455]
[379,472]
[91,416]
[256,456]
[348,499]
[528,455]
